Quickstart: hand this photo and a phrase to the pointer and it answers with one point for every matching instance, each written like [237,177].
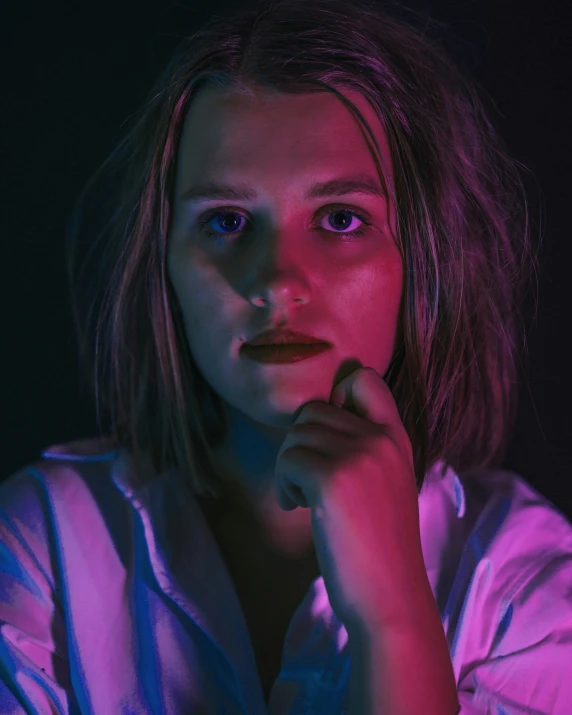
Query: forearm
[403,671]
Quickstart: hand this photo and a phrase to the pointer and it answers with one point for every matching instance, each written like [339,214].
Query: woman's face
[285,263]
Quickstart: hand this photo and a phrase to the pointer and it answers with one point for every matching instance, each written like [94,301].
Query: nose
[282,292]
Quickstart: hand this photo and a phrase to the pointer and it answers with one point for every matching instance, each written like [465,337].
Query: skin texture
[277,270]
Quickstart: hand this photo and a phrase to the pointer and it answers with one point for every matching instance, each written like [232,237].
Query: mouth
[281,354]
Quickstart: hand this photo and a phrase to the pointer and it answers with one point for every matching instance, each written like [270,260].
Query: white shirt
[114,599]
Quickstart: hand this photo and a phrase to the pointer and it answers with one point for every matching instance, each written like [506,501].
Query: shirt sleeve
[527,640]
[34,672]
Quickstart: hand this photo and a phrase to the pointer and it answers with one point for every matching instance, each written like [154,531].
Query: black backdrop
[73,73]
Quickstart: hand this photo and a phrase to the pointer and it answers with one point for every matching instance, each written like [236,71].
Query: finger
[285,500]
[299,473]
[321,439]
[370,395]
[342,420]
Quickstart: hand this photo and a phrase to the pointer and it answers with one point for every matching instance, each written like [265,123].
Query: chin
[276,425]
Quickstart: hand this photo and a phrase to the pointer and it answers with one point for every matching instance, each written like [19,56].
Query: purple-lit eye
[230,223]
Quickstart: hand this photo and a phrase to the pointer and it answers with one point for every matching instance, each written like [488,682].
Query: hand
[355,471]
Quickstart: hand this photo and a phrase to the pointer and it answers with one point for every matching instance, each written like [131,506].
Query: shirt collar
[141,486]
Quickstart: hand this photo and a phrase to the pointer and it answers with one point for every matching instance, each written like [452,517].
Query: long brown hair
[462,225]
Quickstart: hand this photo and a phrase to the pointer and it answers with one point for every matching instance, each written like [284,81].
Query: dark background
[72,74]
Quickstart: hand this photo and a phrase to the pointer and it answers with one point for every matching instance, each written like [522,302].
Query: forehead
[276,136]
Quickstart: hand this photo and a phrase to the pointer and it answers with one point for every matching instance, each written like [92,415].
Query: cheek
[374,289]
[194,286]
[200,312]
[207,320]
[388,281]
[369,305]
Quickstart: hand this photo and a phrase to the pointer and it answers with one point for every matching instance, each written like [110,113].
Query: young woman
[300,313]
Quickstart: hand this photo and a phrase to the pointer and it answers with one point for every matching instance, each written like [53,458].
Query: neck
[246,461]
[247,455]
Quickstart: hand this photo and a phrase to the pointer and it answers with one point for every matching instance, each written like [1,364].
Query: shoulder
[516,560]
[507,616]
[64,476]
[89,449]
[513,518]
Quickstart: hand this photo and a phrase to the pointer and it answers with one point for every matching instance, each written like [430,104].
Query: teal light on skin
[281,263]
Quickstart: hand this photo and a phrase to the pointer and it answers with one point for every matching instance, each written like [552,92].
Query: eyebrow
[359,184]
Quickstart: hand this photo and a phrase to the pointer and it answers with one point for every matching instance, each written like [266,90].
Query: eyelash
[347,236]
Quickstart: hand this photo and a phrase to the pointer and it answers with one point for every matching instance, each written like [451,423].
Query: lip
[283,354]
[284,336]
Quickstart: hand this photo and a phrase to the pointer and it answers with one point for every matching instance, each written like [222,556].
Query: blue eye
[231,221]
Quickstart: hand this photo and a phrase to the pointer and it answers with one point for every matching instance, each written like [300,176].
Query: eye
[233,223]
